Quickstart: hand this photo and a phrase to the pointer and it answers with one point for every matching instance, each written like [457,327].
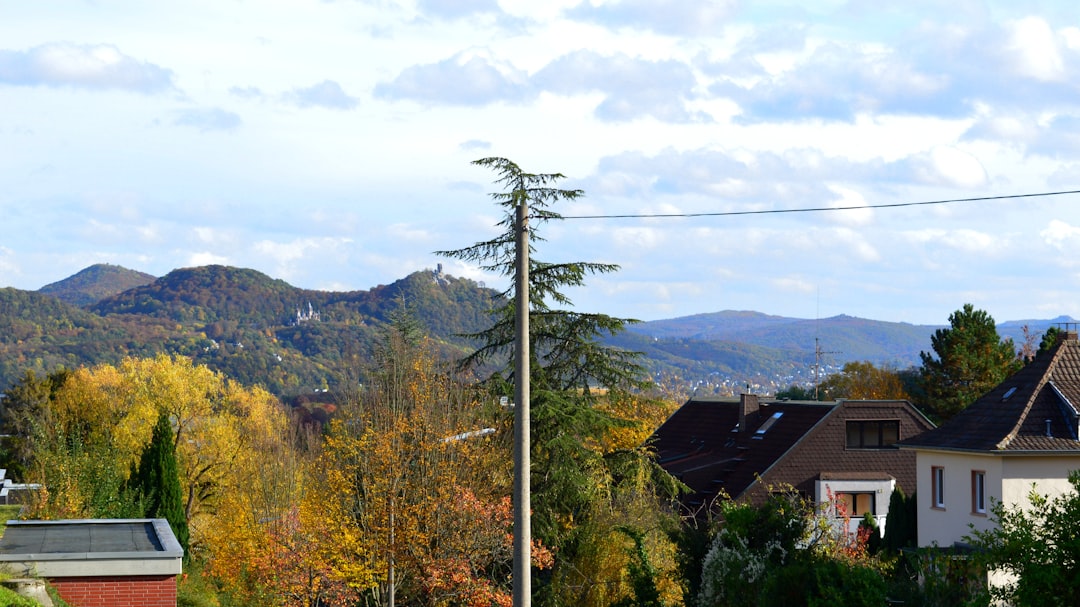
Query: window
[937,486]
[855,505]
[768,424]
[978,492]
[872,434]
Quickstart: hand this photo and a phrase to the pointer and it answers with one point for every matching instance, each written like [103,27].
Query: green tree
[566,351]
[581,490]
[157,481]
[1050,339]
[788,551]
[24,408]
[795,392]
[971,359]
[1039,545]
[901,528]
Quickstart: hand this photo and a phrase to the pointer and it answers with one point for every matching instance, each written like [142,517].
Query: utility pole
[522,573]
[817,365]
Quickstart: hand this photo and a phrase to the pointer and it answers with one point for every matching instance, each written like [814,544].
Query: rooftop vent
[1008,393]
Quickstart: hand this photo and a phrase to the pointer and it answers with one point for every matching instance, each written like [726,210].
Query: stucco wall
[945,526]
[1050,475]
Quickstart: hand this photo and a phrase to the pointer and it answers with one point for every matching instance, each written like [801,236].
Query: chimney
[748,405]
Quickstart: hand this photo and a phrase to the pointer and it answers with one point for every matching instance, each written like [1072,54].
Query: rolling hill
[261,330]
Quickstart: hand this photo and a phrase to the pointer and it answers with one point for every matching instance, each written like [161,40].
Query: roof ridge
[1055,355]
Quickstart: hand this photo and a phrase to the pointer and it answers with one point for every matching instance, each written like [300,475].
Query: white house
[1022,433]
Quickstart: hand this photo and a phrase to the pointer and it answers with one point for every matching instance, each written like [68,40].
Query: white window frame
[978,491]
[937,485]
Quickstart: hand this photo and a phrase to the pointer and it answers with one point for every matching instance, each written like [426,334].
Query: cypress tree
[158,481]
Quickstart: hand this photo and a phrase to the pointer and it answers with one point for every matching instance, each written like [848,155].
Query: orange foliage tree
[413,487]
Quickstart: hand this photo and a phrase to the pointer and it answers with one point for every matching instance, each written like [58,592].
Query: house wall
[117,591]
[948,525]
[882,490]
[825,448]
[1050,475]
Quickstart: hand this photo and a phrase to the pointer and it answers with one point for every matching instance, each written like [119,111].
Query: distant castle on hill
[310,316]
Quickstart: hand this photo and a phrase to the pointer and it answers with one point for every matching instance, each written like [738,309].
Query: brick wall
[118,591]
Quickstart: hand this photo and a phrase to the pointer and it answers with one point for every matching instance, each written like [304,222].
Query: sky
[330,144]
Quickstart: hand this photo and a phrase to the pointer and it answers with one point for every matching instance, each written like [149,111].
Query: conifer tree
[971,360]
[566,352]
[157,481]
[578,487]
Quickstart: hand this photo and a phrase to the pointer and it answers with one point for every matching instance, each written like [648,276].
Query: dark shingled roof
[1034,410]
[702,445]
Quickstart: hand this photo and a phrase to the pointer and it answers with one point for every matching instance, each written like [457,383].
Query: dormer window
[872,433]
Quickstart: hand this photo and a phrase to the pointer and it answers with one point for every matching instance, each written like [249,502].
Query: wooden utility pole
[522,576]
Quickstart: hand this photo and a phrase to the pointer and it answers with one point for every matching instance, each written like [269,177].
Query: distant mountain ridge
[261,330]
[95,283]
[253,328]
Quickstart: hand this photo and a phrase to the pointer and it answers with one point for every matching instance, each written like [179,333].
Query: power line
[820,209]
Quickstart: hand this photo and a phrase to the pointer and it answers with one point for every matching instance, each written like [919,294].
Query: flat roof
[82,547]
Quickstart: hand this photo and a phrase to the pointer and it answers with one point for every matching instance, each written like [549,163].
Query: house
[829,451]
[1024,432]
[99,562]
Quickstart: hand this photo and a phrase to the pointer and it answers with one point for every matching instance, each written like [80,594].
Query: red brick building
[98,563]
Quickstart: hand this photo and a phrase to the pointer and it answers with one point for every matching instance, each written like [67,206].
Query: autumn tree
[970,360]
[863,380]
[411,485]
[585,482]
[24,408]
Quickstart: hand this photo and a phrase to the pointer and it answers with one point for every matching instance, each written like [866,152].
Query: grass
[8,512]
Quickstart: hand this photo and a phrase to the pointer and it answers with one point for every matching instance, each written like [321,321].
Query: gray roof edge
[83,521]
[95,568]
[992,452]
[165,535]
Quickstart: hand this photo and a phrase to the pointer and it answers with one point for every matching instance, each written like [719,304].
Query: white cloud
[1061,236]
[468,78]
[672,17]
[973,242]
[84,66]
[1034,50]
[638,239]
[207,119]
[795,285]
[849,198]
[326,94]
[206,258]
[288,252]
[947,165]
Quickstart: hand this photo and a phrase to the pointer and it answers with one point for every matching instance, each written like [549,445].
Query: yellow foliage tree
[405,481]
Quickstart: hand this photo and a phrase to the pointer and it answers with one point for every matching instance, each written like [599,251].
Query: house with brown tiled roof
[1025,431]
[741,448]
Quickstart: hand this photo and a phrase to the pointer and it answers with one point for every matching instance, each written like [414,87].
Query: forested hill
[261,330]
[253,328]
[95,283]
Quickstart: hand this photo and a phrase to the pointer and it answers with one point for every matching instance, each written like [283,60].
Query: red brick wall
[118,591]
